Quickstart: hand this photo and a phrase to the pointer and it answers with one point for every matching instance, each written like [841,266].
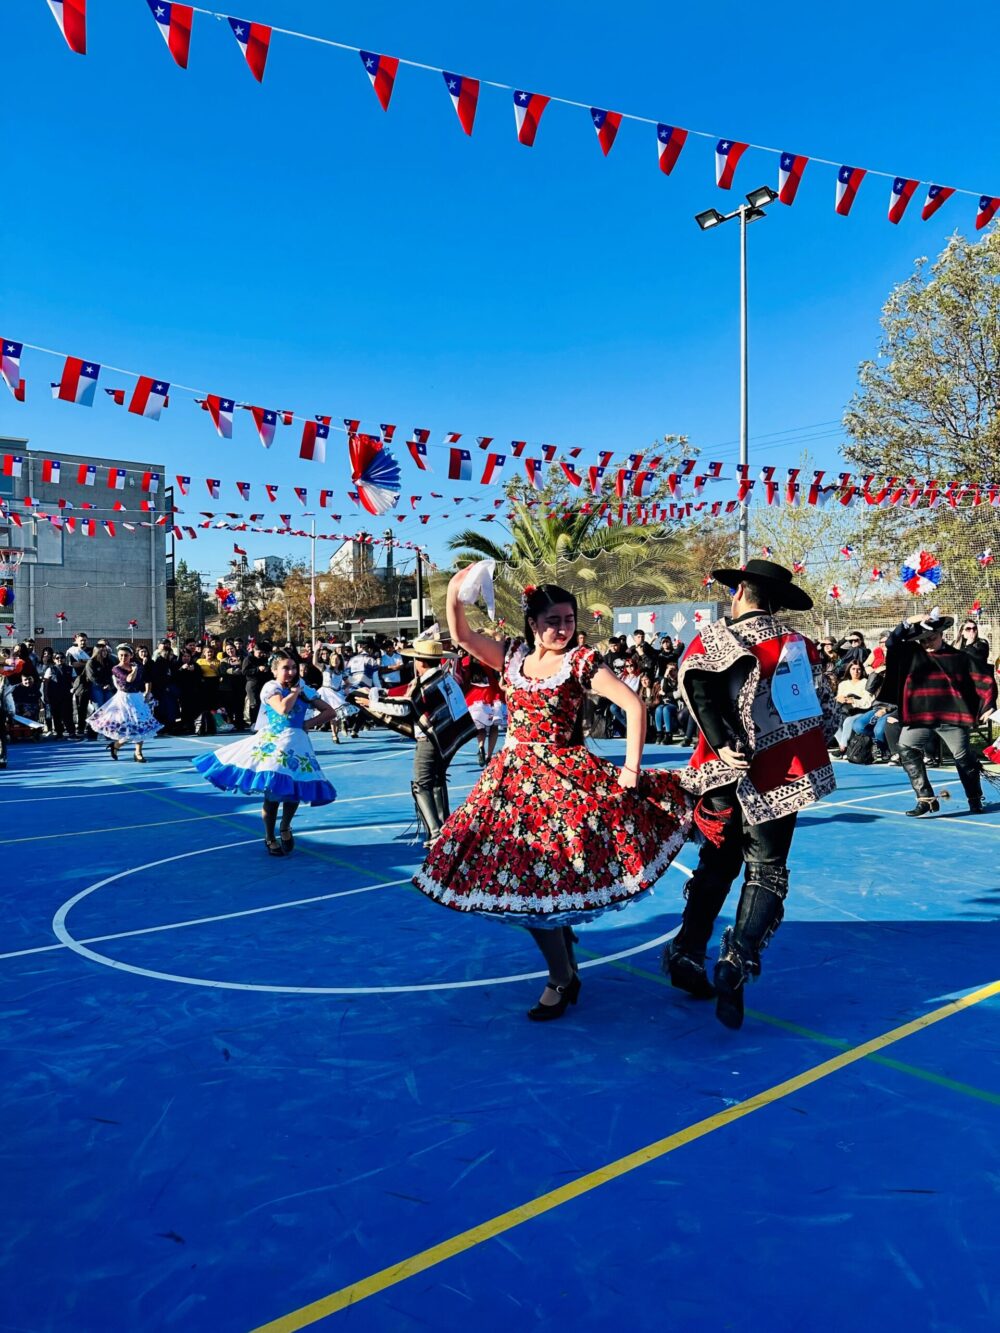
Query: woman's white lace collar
[523,682]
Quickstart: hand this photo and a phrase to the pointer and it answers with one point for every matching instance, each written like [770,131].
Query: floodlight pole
[312,585]
[744,522]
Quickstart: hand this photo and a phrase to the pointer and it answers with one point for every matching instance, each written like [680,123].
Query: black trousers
[430,786]
[763,850]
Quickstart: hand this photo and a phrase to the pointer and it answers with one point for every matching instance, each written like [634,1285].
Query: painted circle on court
[63,935]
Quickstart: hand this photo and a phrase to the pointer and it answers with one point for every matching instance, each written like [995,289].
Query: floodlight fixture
[710,218]
[762,196]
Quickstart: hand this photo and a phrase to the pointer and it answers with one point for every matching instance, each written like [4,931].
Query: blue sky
[294,245]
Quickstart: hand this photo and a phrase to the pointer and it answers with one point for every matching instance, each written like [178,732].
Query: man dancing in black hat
[940,692]
[757,691]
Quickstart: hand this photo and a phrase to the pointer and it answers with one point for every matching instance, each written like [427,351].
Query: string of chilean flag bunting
[175,23]
[376,474]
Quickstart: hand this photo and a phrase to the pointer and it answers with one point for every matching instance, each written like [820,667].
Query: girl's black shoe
[568,994]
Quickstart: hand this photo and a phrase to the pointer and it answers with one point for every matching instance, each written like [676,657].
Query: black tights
[270,813]
[556,944]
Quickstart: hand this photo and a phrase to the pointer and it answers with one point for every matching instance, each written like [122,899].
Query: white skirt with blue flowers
[278,765]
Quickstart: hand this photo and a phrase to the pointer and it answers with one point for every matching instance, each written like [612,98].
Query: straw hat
[428,650]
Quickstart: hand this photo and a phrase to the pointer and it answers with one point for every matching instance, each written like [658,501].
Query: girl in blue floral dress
[277,759]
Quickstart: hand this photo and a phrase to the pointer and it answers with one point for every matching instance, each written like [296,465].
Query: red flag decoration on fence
[790,171]
[149,398]
[528,108]
[848,181]
[71,15]
[459,465]
[727,155]
[314,437]
[936,196]
[669,142]
[254,40]
[988,206]
[903,190]
[174,23]
[382,72]
[79,381]
[607,125]
[464,93]
[266,422]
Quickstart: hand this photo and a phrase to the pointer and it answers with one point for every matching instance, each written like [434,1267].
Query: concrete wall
[100,582]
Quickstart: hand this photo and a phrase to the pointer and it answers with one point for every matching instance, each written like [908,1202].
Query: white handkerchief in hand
[478,582]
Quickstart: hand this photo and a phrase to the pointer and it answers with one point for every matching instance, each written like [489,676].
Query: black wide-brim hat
[776,579]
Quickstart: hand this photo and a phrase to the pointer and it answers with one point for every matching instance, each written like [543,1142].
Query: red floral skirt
[548,837]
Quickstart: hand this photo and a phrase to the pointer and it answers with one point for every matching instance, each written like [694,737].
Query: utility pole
[420,591]
[312,585]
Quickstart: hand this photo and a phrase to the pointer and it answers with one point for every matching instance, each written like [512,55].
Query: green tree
[928,407]
[558,535]
[191,608]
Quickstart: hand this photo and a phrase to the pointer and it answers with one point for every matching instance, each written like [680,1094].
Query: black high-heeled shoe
[568,994]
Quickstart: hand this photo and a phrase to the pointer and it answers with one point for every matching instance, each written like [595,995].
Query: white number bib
[792,690]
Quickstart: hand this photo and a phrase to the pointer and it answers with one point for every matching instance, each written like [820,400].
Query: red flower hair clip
[526,592]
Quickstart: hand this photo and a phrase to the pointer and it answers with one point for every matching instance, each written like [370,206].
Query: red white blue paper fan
[375,472]
[921,573]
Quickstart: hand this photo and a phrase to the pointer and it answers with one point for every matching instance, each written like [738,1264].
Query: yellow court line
[118,828]
[496,1226]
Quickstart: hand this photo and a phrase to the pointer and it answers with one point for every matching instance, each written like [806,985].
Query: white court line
[970,823]
[79,947]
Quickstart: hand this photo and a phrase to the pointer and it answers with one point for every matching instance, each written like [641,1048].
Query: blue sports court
[245,1093]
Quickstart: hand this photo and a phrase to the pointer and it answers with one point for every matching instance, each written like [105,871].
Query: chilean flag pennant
[420,435]
[848,181]
[988,206]
[418,452]
[790,170]
[534,468]
[51,467]
[266,422]
[903,190]
[387,432]
[150,482]
[174,23]
[464,93]
[936,196]
[727,156]
[571,474]
[324,498]
[272,491]
[71,15]
[213,487]
[314,437]
[595,476]
[254,39]
[607,125]
[10,365]
[669,142]
[149,398]
[459,465]
[116,478]
[79,381]
[382,72]
[222,413]
[12,465]
[302,493]
[623,482]
[494,468]
[528,108]
[117,396]
[182,484]
[244,489]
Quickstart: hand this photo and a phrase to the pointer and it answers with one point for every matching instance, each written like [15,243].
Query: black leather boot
[762,906]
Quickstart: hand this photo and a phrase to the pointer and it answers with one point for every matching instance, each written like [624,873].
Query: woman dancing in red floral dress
[551,834]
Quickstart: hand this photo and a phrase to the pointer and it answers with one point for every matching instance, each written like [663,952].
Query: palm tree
[603,566]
